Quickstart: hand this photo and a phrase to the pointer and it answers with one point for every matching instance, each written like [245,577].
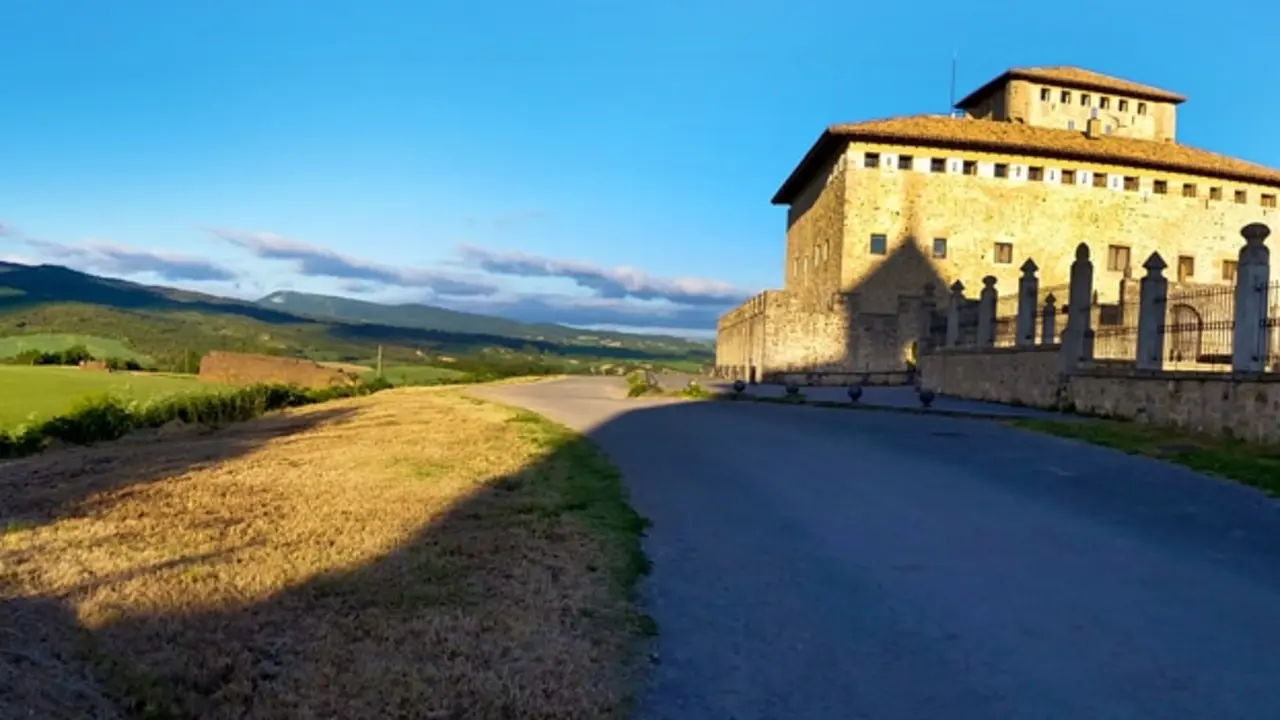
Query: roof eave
[973,97]
[1154,94]
[1008,149]
[817,154]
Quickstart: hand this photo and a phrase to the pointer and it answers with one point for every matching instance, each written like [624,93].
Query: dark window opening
[1004,253]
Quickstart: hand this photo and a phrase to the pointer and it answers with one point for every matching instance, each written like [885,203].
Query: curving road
[813,564]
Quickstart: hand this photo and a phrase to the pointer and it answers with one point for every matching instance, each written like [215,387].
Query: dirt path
[413,554]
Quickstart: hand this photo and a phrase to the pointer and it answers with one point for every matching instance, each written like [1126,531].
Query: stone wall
[1020,376]
[782,332]
[1212,403]
[1041,219]
[247,369]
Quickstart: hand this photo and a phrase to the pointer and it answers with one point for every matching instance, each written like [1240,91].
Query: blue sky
[583,161]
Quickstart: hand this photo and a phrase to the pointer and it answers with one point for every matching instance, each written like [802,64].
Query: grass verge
[414,554]
[1255,465]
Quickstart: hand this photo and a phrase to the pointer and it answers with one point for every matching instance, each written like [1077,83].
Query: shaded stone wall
[780,332]
[247,369]
[1020,376]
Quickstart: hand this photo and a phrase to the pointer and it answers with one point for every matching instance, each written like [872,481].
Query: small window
[970,167]
[872,160]
[1099,180]
[1117,258]
[1229,270]
[1084,99]
[795,267]
[1186,267]
[1035,173]
[1123,105]
[1242,197]
[1004,253]
[1071,124]
[939,248]
[1269,201]
[1188,190]
[1131,184]
[1001,170]
[1104,102]
[905,162]
[1068,177]
[879,244]
[1065,97]
[1215,193]
[1160,187]
[1045,94]
[1142,108]
[937,165]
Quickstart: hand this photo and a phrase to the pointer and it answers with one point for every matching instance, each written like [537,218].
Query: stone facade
[1214,404]
[879,211]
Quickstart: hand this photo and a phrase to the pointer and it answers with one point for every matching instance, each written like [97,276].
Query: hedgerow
[106,417]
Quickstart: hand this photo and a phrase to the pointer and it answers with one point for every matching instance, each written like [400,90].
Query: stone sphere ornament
[855,393]
[739,386]
[926,397]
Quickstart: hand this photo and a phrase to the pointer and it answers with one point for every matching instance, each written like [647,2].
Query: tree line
[73,355]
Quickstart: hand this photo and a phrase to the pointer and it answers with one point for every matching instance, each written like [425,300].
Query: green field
[99,347]
[419,374]
[37,393]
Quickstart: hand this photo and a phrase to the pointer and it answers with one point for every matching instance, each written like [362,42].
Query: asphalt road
[813,564]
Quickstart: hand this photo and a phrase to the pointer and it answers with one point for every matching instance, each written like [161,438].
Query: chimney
[1093,128]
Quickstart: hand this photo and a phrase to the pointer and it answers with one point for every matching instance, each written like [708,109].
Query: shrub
[694,391]
[641,383]
[103,418]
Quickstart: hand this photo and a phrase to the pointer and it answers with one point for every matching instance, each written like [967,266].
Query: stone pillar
[928,306]
[1076,334]
[1028,290]
[1049,320]
[1253,280]
[953,314]
[987,312]
[1152,297]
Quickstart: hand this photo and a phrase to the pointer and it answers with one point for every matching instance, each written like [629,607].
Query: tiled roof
[945,132]
[1074,77]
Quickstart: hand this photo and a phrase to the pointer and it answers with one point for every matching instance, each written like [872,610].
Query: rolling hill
[172,325]
[427,317]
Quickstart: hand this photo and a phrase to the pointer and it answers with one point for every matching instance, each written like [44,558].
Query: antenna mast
[951,106]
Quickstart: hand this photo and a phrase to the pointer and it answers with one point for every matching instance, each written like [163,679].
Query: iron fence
[1271,327]
[1006,330]
[1198,328]
[1115,334]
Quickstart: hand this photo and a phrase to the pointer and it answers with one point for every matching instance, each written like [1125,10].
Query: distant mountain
[173,325]
[428,317]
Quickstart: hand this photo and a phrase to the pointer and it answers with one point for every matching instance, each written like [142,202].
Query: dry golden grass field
[413,554]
